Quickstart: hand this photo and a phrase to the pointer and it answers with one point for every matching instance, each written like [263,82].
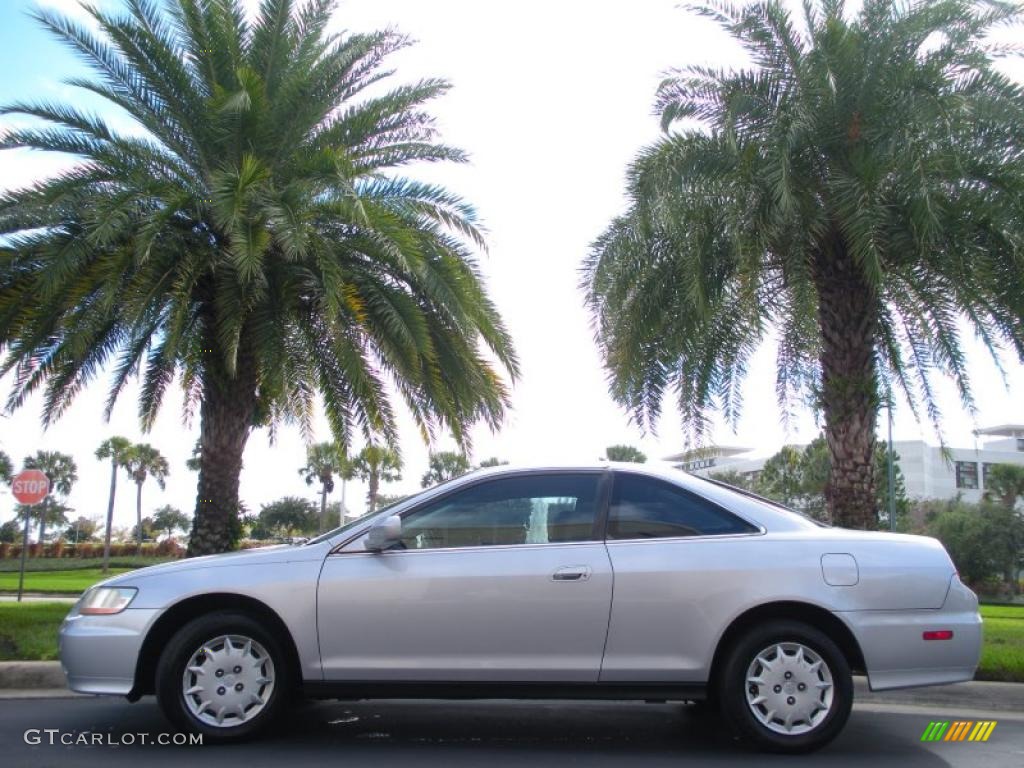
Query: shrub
[88,549]
[169,548]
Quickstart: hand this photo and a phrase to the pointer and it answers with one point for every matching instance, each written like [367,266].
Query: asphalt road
[484,735]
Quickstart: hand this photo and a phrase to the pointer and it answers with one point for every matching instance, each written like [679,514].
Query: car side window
[524,509]
[647,508]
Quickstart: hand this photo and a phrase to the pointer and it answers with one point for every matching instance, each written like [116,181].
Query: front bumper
[896,654]
[99,653]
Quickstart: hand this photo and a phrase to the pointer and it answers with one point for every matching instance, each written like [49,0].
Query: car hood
[273,554]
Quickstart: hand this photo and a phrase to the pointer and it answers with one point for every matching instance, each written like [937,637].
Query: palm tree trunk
[110,513]
[341,513]
[323,507]
[371,494]
[849,394]
[138,519]
[227,415]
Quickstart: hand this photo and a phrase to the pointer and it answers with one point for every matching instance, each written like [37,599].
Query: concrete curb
[31,675]
[40,676]
[1001,697]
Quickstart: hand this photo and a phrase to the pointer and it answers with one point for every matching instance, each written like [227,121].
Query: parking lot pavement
[482,735]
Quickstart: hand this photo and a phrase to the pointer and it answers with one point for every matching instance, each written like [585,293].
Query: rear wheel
[786,687]
[223,675]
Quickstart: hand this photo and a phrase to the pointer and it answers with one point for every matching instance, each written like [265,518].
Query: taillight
[938,634]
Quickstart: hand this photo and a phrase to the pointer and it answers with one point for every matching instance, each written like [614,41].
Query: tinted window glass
[527,509]
[645,508]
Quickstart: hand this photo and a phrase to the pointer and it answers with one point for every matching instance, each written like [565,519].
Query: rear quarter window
[648,508]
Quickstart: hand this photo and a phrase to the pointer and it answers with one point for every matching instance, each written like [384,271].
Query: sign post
[30,486]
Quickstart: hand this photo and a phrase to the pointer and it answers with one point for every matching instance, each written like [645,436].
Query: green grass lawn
[29,630]
[1002,656]
[69,581]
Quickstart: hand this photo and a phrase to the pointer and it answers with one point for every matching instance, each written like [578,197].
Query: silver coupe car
[609,581]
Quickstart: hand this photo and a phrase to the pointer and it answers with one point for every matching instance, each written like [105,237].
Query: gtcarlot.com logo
[958,730]
[57,737]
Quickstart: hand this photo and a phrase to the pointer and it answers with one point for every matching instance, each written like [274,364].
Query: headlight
[106,600]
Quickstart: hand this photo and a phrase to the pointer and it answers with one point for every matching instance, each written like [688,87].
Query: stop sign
[30,486]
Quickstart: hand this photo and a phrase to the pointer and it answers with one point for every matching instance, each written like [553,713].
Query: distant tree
[798,477]
[735,479]
[116,450]
[149,529]
[49,514]
[145,461]
[63,473]
[882,487]
[494,461]
[10,532]
[1005,483]
[6,468]
[984,540]
[323,462]
[444,466]
[168,519]
[289,516]
[81,529]
[782,477]
[387,499]
[250,526]
[624,453]
[377,464]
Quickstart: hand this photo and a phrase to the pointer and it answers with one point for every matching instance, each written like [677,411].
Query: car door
[683,567]
[502,579]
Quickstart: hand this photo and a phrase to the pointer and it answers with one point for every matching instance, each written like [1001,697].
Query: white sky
[552,100]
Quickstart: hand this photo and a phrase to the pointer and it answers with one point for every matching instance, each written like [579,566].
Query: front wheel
[224,676]
[786,687]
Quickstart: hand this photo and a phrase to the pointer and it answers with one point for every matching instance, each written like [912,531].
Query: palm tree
[323,462]
[6,468]
[1005,483]
[626,453]
[116,449]
[142,462]
[443,466]
[856,193]
[48,514]
[63,473]
[377,464]
[255,244]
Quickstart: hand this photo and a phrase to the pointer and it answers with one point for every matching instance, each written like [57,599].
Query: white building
[929,472]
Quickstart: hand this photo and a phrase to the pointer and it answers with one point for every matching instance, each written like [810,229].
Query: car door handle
[571,573]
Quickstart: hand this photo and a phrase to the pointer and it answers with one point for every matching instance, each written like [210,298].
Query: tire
[249,671]
[816,697]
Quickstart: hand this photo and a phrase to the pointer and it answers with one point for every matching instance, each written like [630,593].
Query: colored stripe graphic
[983,730]
[958,730]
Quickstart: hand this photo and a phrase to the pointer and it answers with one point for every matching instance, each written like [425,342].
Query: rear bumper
[896,654]
[99,653]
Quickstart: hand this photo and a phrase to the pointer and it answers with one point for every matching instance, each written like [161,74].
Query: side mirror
[384,534]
